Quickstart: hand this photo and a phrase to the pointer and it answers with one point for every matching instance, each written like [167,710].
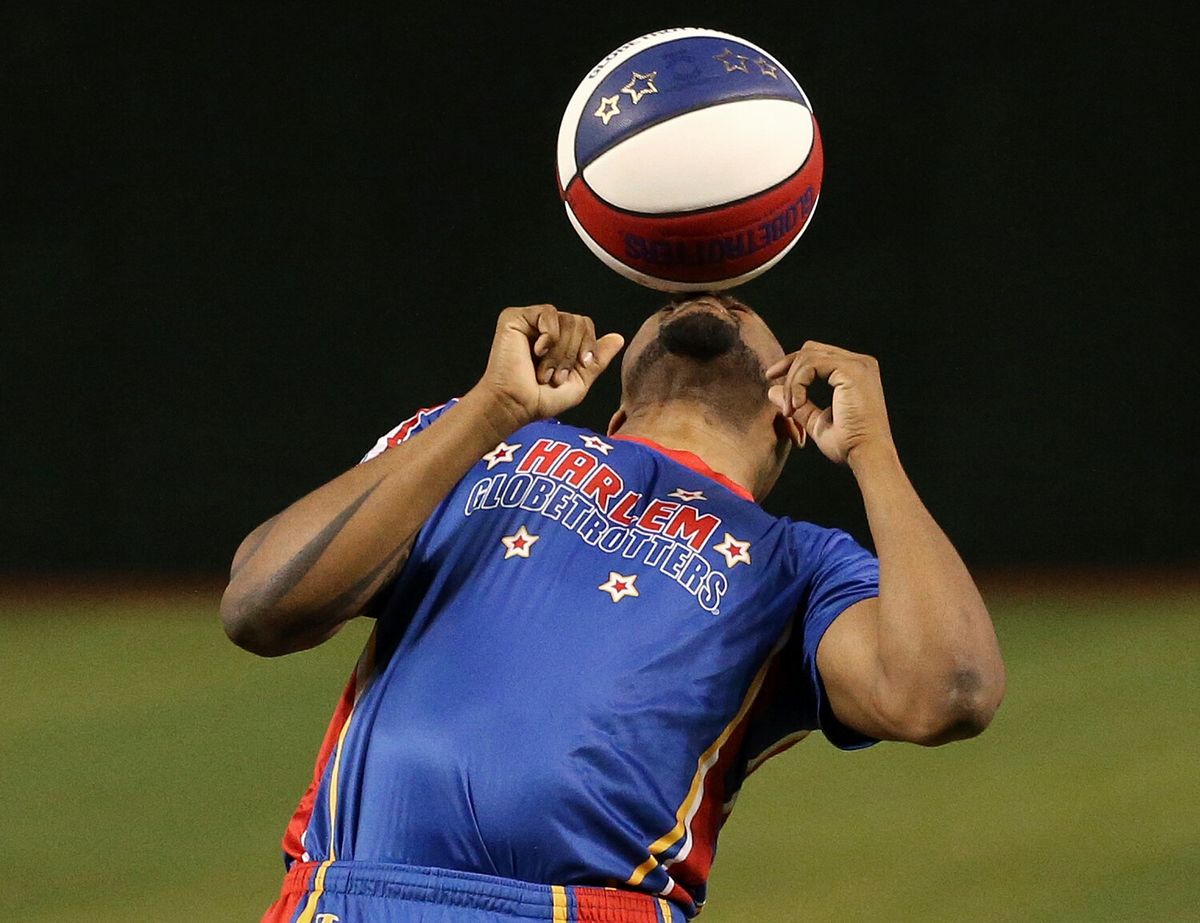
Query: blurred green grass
[148,767]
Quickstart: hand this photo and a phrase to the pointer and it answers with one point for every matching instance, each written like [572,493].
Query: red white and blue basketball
[689,160]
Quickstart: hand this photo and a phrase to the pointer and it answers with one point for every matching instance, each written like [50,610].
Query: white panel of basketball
[574,110]
[748,145]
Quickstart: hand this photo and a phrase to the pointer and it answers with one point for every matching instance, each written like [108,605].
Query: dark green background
[236,249]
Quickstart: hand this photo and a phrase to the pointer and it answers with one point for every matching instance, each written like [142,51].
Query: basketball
[689,160]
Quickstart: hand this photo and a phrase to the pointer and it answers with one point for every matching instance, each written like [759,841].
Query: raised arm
[921,662]
[302,574]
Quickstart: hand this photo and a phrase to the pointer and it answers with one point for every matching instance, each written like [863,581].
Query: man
[583,644]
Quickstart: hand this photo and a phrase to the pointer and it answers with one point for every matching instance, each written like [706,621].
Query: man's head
[705,356]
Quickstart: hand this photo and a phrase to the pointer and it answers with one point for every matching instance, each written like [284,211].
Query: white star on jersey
[687,495]
[518,544]
[618,586]
[735,552]
[502,453]
[595,442]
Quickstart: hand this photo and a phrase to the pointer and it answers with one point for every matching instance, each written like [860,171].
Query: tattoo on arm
[256,539]
[303,561]
[352,601]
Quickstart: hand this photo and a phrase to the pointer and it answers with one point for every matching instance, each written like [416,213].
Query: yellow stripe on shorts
[314,896]
[559,894]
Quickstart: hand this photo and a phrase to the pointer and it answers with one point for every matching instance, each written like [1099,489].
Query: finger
[818,347]
[552,329]
[565,351]
[796,434]
[779,367]
[574,342]
[810,349]
[820,427]
[811,420]
[585,352]
[822,363]
[559,356]
[795,388]
[580,380]
[523,319]
[587,346]
[836,364]
[806,414]
[606,350]
[547,321]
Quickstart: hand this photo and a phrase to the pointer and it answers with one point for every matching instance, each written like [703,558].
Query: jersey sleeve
[836,573]
[845,573]
[419,421]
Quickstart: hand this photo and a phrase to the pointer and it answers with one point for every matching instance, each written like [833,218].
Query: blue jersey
[593,642]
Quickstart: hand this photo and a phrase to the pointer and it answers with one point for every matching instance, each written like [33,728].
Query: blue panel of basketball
[673,78]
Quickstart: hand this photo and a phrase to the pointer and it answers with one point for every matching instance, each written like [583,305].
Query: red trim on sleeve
[402,432]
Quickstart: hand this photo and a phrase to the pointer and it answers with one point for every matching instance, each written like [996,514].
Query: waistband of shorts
[449,887]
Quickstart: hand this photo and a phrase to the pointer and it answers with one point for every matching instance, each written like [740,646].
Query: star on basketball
[618,586]
[608,108]
[595,442]
[632,89]
[502,453]
[518,544]
[687,495]
[734,551]
[727,58]
[768,69]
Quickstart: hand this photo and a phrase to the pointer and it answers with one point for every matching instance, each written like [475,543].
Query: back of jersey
[566,667]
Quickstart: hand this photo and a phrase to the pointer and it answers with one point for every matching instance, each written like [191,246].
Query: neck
[688,427]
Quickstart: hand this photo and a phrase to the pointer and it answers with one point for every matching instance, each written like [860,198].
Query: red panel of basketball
[709,245]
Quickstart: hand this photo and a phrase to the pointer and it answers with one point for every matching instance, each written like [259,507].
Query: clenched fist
[543,361]
[857,418]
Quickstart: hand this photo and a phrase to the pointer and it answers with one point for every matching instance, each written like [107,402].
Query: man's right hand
[544,361]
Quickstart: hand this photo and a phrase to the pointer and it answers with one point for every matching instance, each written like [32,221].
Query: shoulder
[817,548]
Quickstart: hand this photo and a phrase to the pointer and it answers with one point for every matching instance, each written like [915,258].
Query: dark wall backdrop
[238,247]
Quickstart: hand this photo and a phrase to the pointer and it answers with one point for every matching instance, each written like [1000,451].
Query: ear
[786,429]
[617,421]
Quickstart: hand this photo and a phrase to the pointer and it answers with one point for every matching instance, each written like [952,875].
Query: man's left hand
[856,419]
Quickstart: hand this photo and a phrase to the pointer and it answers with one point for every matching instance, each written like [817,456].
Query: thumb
[606,350]
[819,426]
